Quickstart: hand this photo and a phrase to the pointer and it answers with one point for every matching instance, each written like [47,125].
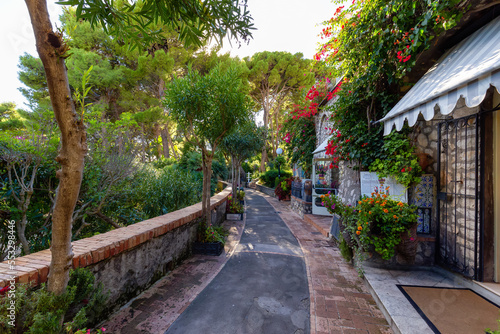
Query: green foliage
[39,311]
[212,233]
[283,187]
[397,159]
[168,190]
[245,141]
[10,117]
[164,162]
[270,176]
[491,331]
[373,47]
[345,250]
[191,161]
[299,136]
[207,108]
[377,220]
[241,195]
[234,206]
[195,22]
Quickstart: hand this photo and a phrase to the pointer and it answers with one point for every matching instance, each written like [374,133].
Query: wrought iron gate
[459,195]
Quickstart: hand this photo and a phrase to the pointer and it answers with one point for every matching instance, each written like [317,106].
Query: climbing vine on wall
[373,45]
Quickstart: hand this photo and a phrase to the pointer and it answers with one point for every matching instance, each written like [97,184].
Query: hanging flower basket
[407,247]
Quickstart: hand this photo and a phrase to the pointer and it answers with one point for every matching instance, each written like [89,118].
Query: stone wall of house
[458,178]
[349,189]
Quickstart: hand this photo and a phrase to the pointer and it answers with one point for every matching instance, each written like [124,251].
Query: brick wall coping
[34,268]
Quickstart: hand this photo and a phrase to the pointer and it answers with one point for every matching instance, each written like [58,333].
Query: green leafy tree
[10,117]
[240,145]
[195,21]
[206,109]
[276,78]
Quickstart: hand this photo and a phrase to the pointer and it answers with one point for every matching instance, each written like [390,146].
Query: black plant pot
[208,248]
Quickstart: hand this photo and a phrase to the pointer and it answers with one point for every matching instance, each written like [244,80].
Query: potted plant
[284,189]
[211,239]
[377,223]
[241,196]
[234,209]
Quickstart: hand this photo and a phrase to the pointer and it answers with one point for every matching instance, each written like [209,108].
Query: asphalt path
[262,288]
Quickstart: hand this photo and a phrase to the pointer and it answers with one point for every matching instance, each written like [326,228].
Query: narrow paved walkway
[261,289]
[283,276]
[340,301]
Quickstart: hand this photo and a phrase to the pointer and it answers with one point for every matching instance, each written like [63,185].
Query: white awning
[467,70]
[322,147]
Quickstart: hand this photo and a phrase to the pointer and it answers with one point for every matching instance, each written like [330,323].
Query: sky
[282,25]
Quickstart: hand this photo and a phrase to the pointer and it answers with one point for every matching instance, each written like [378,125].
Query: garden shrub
[39,311]
[168,190]
[269,177]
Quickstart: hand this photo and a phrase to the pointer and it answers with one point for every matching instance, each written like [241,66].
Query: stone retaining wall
[300,206]
[126,260]
[265,190]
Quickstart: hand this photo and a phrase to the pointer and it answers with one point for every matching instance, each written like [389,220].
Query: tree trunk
[264,158]
[170,143]
[207,174]
[21,226]
[239,173]
[157,136]
[52,50]
[164,141]
[234,184]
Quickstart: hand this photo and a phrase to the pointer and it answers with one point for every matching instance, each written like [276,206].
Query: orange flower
[400,204]
[395,217]
[383,204]
[369,212]
[385,210]
[359,202]
[385,196]
[377,202]
[360,228]
[358,232]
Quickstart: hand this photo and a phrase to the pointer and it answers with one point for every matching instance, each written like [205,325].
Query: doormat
[452,310]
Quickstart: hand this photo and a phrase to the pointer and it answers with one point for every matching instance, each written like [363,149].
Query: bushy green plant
[234,206]
[345,250]
[168,190]
[284,188]
[270,176]
[212,233]
[39,311]
[378,220]
[241,195]
[396,159]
